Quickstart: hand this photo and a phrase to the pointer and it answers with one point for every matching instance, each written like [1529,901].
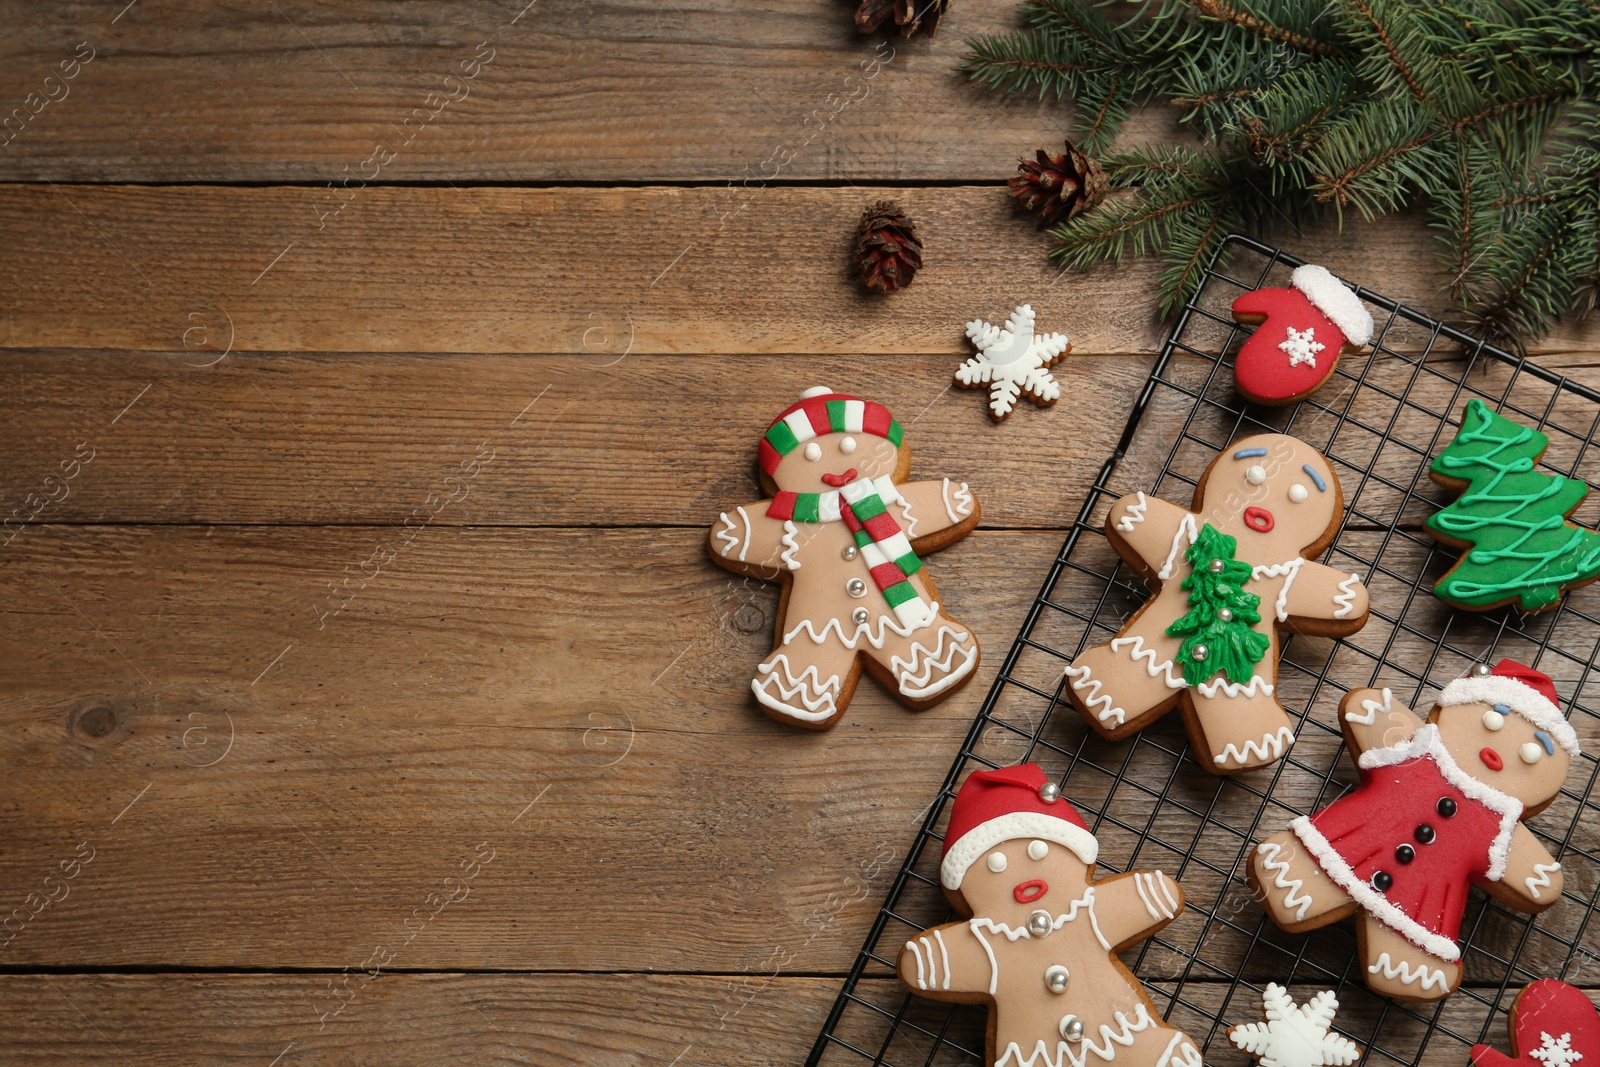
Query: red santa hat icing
[1553,1024]
[820,410]
[1003,805]
[1329,296]
[1511,686]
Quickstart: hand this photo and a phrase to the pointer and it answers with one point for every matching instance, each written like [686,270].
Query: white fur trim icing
[1330,296]
[981,838]
[1522,699]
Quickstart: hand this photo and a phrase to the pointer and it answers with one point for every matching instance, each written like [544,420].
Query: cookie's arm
[951,960]
[1533,879]
[1132,906]
[932,507]
[1150,527]
[746,540]
[1320,592]
[1372,718]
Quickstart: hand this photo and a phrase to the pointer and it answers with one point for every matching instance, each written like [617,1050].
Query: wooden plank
[406,1019]
[304,93]
[580,271]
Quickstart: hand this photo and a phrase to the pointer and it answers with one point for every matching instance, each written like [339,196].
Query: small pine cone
[907,15]
[1059,187]
[888,252]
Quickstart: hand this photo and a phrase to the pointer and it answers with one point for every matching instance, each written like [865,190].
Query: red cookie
[1300,334]
[1552,1024]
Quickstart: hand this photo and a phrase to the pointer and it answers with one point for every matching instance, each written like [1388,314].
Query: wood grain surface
[365,693]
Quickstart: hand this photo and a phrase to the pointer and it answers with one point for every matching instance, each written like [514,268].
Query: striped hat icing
[821,411]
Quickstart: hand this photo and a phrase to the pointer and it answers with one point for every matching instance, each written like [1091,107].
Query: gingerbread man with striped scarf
[844,534]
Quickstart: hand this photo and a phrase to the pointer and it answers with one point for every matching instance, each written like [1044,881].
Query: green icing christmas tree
[1511,519]
[1216,630]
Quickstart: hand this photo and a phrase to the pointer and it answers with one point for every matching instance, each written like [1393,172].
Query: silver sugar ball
[1049,792]
[1225,614]
[1216,566]
[849,553]
[1039,923]
[1199,653]
[1479,670]
[856,588]
[1072,1028]
[1056,978]
[860,616]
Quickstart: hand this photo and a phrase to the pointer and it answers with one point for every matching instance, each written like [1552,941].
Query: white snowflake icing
[1296,1036]
[1556,1051]
[1302,346]
[1013,360]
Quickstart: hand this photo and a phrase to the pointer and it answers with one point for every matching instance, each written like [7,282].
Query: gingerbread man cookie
[845,535]
[1439,809]
[1300,333]
[1232,573]
[1552,1024]
[1041,942]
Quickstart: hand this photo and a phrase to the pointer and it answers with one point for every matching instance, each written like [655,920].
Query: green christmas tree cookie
[1510,520]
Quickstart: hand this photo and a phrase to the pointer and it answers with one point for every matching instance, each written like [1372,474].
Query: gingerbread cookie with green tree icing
[1510,519]
[1039,941]
[1233,572]
[844,533]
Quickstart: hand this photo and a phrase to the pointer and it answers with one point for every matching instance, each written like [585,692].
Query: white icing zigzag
[1428,976]
[1187,1056]
[1187,533]
[1018,932]
[1269,747]
[1158,899]
[1347,596]
[1268,851]
[1066,1056]
[1134,515]
[791,546]
[727,536]
[962,507]
[816,708]
[864,630]
[1541,877]
[915,683]
[1089,688]
[1278,570]
[1152,668]
[930,975]
[1371,707]
[1256,686]
[911,520]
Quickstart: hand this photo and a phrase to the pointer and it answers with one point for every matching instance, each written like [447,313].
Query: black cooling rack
[1379,419]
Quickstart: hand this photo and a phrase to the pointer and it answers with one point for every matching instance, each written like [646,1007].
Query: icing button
[1479,670]
[1049,792]
[1446,807]
[856,588]
[1199,653]
[1225,614]
[860,616]
[1425,834]
[1382,881]
[1216,566]
[849,553]
[1039,925]
[1055,978]
[1405,853]
[1072,1028]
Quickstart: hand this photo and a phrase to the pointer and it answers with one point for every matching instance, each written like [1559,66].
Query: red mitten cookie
[845,534]
[1552,1024]
[1439,809]
[1233,571]
[1041,942]
[1300,333]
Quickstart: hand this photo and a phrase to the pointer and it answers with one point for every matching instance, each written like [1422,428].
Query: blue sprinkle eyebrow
[1322,486]
[1544,739]
[1249,453]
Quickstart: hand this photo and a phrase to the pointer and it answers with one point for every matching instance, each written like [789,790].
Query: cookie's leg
[805,683]
[1242,725]
[1397,968]
[1292,887]
[925,667]
[1126,681]
[1176,1048]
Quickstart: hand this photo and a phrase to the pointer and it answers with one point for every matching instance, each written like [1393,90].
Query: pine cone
[908,15]
[1059,187]
[888,253]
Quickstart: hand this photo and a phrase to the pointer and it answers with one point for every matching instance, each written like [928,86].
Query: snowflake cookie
[1296,1035]
[1013,361]
[1552,1024]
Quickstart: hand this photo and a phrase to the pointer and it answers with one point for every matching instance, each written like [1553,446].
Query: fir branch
[1380,32]
[1223,11]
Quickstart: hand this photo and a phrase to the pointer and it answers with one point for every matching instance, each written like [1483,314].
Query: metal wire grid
[1379,420]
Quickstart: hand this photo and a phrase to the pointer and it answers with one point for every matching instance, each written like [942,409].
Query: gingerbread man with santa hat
[1040,944]
[1439,809]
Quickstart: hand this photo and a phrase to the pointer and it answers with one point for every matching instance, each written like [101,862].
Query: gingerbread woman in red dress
[1439,809]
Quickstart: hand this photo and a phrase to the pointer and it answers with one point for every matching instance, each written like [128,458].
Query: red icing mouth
[1028,892]
[1491,759]
[1259,519]
[837,480]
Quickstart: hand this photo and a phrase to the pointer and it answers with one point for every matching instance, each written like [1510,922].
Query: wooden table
[372,377]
